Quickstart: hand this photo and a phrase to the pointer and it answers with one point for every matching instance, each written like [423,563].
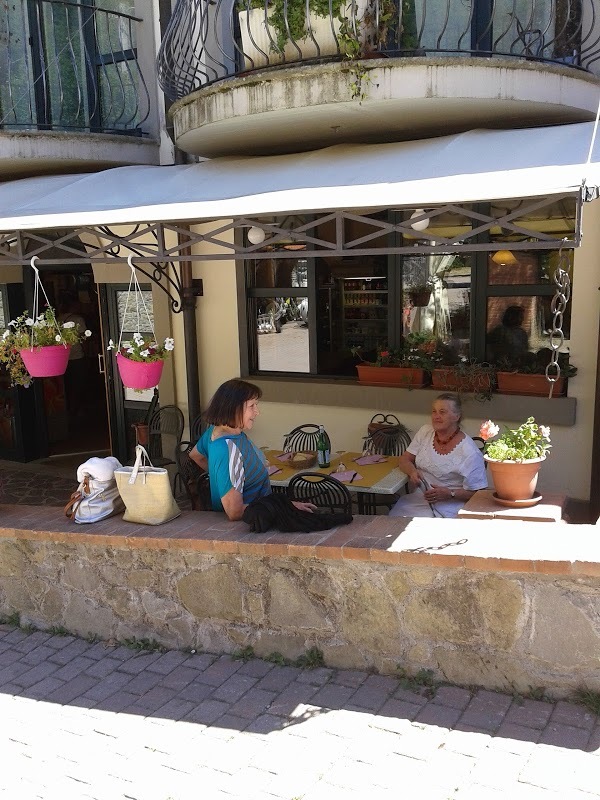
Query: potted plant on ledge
[454,373]
[527,374]
[273,31]
[141,360]
[407,366]
[37,348]
[515,459]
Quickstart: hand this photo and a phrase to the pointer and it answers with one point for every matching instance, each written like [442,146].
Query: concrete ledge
[497,545]
[501,604]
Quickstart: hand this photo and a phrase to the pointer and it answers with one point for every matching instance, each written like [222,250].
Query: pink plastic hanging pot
[46,362]
[139,374]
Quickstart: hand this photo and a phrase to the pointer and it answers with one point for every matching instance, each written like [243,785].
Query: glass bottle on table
[323,457]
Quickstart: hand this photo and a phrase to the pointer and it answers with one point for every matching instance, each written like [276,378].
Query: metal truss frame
[285,236]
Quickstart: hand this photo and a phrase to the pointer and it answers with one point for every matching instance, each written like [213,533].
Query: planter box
[406,377]
[451,380]
[259,37]
[535,385]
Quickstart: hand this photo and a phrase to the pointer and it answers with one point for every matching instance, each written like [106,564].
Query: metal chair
[190,479]
[165,430]
[386,436]
[323,490]
[304,437]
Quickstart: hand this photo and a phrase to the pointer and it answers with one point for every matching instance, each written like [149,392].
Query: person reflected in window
[508,341]
[237,469]
[444,466]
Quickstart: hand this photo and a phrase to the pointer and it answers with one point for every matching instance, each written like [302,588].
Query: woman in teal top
[237,469]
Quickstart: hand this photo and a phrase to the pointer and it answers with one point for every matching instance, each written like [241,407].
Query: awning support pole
[190,289]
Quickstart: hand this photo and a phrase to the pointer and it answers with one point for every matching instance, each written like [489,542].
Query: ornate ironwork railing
[70,66]
[208,40]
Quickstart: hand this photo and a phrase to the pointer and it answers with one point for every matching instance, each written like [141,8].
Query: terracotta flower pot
[407,377]
[46,362]
[533,385]
[452,380]
[515,480]
[139,374]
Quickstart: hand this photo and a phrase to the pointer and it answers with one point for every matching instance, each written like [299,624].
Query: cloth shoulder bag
[146,491]
[97,496]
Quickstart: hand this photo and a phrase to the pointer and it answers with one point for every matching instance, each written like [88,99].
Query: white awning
[467,167]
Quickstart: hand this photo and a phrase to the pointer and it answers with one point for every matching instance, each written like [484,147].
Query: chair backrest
[194,480]
[386,436]
[196,428]
[304,437]
[323,490]
[167,421]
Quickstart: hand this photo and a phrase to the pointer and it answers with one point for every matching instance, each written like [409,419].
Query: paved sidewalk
[81,720]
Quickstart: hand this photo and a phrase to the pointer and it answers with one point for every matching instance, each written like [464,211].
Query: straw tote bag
[146,491]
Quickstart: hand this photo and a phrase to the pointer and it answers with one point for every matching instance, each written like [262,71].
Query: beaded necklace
[443,442]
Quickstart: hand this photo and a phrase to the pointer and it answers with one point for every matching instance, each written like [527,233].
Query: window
[318,315]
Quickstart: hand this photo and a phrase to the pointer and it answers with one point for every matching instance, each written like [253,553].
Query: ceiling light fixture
[504,258]
[421,224]
[256,235]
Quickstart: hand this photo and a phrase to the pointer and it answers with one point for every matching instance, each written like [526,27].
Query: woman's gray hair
[451,397]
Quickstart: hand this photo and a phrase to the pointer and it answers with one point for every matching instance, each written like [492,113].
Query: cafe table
[380,478]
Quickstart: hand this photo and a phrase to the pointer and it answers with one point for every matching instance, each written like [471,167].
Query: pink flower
[545,431]
[488,430]
[385,353]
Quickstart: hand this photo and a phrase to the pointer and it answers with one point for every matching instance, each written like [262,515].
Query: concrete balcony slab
[24,153]
[312,106]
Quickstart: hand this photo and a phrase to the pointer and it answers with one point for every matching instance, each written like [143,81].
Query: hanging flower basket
[139,374]
[46,362]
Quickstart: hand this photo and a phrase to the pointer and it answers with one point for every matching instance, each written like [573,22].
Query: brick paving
[83,720]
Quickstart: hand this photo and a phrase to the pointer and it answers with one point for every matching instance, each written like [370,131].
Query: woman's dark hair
[227,404]
[513,316]
[450,397]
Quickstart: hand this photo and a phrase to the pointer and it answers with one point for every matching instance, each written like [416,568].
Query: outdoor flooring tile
[332,696]
[179,677]
[452,696]
[256,668]
[219,671]
[530,713]
[254,702]
[442,716]
[570,714]
[234,687]
[167,662]
[350,677]
[316,677]
[565,736]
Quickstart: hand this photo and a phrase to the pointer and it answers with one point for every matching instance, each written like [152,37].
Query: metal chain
[558,307]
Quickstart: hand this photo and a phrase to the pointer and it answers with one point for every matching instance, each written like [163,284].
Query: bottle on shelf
[322,449]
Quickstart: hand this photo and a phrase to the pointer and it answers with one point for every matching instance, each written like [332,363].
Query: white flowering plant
[25,332]
[528,441]
[143,348]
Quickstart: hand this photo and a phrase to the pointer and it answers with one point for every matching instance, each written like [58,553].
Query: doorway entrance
[72,408]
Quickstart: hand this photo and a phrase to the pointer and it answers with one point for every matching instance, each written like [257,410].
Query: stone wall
[500,630]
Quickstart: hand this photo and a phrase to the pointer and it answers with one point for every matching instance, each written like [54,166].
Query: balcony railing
[208,40]
[70,66]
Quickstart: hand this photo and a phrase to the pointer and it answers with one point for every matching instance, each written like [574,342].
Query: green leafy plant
[312,659]
[245,654]
[142,348]
[588,698]
[422,682]
[25,332]
[529,440]
[535,363]
[145,645]
[416,351]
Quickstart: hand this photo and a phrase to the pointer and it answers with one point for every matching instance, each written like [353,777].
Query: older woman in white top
[444,466]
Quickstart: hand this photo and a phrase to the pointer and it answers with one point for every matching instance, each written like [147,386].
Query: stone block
[368,617]
[81,575]
[291,607]
[13,561]
[211,593]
